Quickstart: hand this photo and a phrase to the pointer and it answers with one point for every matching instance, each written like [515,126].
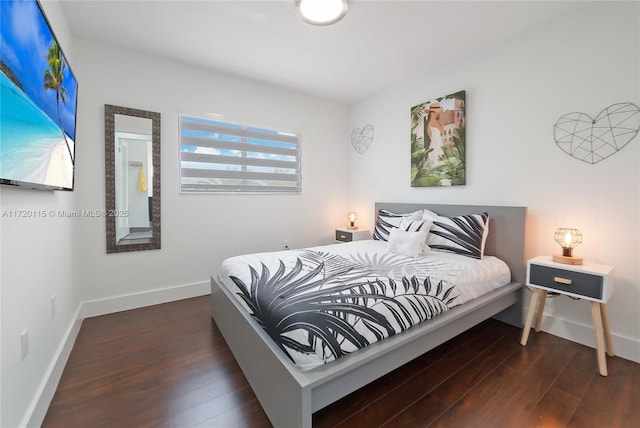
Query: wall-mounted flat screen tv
[38,101]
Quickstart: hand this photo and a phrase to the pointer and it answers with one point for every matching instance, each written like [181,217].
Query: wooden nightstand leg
[532,309]
[541,301]
[607,330]
[597,324]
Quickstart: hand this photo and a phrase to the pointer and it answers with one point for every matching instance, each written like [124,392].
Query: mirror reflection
[132,165]
[133,180]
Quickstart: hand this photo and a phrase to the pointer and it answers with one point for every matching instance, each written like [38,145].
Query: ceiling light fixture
[321,12]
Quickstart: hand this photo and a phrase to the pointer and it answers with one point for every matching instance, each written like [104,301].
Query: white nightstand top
[592,268]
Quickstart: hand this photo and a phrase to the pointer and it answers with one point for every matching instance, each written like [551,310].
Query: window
[224,157]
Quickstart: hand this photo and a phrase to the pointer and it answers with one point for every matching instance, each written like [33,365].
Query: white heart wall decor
[361,138]
[592,140]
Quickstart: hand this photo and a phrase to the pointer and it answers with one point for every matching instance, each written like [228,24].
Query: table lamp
[352,216]
[568,240]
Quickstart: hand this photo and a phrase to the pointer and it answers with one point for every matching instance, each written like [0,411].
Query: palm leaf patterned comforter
[319,304]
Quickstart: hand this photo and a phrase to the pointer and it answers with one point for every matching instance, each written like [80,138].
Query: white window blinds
[224,157]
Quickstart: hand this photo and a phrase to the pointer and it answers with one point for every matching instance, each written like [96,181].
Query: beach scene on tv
[38,101]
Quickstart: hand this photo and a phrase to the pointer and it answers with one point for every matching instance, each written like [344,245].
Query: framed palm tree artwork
[438,142]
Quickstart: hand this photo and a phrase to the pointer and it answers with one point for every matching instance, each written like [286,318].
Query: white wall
[516,90]
[199,231]
[37,261]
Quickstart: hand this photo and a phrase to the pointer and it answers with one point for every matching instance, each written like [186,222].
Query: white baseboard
[623,347]
[38,408]
[125,302]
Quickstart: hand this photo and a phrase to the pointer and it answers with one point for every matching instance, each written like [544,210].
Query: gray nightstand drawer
[565,280]
[350,235]
[344,236]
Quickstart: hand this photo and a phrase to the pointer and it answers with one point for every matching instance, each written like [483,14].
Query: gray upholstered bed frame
[289,396]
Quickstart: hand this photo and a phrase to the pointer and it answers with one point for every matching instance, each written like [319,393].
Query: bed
[290,395]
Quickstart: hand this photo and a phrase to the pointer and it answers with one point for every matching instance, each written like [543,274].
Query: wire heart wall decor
[592,140]
[361,139]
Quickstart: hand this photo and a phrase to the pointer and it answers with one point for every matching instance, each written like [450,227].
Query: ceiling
[376,44]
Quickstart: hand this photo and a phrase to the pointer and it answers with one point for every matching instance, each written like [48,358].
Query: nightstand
[345,235]
[589,281]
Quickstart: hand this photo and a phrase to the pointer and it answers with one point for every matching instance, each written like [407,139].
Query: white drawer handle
[562,280]
[343,236]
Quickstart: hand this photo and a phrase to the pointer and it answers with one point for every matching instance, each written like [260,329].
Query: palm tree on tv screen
[53,80]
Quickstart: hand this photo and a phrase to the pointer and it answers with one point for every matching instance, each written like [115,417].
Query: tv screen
[38,101]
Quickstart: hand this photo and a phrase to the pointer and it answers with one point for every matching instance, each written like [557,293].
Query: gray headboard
[506,229]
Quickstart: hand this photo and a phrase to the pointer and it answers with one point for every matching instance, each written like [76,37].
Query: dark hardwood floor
[168,365]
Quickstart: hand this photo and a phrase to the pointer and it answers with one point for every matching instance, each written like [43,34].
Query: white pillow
[409,225]
[406,243]
[423,225]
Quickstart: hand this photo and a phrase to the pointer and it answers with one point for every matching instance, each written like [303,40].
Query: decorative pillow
[464,235]
[406,243]
[416,226]
[388,220]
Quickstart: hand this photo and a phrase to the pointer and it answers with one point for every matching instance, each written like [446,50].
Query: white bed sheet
[471,278]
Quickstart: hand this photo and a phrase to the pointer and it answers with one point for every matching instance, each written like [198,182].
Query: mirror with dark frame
[132,179]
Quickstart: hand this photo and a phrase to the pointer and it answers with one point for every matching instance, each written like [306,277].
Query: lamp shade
[321,12]
[352,217]
[568,239]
